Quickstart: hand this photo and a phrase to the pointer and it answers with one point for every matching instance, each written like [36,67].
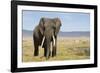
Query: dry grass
[68,48]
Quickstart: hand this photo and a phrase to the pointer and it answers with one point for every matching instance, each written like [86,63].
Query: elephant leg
[55,51]
[50,52]
[45,52]
[55,48]
[36,49]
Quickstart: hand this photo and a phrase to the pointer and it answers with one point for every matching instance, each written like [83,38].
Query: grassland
[68,48]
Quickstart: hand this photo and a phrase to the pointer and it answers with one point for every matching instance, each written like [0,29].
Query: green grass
[68,48]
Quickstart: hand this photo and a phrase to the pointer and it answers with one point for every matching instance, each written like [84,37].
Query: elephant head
[49,27]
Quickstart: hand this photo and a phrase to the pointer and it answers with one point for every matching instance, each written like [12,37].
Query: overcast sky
[70,21]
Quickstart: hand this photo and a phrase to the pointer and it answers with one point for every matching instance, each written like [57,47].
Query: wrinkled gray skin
[47,28]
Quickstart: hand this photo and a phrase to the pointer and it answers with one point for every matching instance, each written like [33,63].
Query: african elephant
[45,33]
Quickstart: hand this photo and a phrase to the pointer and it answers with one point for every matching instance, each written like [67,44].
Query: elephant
[45,34]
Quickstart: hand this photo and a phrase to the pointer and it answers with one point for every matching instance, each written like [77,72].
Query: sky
[70,21]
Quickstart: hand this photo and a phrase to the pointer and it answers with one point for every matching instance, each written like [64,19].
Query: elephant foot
[53,55]
[35,54]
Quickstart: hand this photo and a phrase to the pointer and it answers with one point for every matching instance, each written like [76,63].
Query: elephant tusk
[54,40]
[42,41]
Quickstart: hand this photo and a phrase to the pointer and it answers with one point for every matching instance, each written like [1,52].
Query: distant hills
[27,33]
[74,34]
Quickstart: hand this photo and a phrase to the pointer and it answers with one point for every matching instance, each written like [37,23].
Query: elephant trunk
[42,41]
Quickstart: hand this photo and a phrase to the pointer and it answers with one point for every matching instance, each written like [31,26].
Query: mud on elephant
[44,34]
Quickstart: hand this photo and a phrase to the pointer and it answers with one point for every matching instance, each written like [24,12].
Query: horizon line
[61,31]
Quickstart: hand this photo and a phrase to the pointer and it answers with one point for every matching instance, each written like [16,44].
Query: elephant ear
[57,25]
[41,25]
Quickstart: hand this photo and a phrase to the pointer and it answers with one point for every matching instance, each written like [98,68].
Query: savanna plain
[68,48]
